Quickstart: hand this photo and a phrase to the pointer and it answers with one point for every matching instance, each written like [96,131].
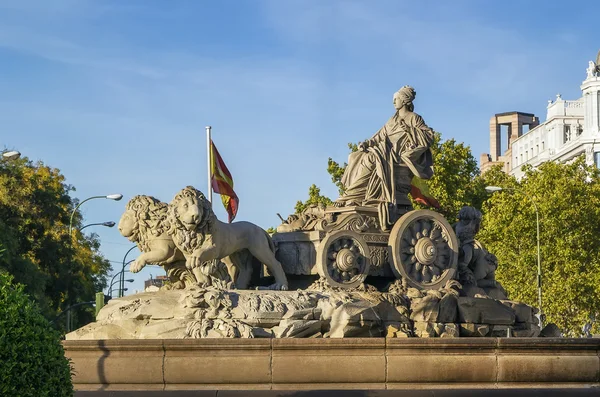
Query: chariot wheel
[424,249]
[343,259]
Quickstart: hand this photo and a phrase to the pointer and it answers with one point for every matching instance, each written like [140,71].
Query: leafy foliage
[336,171]
[455,181]
[568,201]
[314,197]
[32,357]
[56,269]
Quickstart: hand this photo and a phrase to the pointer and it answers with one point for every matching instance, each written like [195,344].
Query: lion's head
[144,217]
[190,217]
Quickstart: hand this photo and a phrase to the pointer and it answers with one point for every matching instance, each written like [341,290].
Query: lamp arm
[76,208]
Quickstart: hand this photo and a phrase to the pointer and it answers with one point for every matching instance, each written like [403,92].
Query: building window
[521,158]
[567,134]
[516,160]
[597,159]
[537,149]
[579,129]
[542,146]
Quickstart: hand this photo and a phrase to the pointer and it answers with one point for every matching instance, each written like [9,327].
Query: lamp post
[129,280]
[115,197]
[112,282]
[107,224]
[117,289]
[493,189]
[122,284]
[11,155]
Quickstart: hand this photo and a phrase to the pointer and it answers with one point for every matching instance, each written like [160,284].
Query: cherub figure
[476,266]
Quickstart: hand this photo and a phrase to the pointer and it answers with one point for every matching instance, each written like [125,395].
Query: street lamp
[493,189]
[117,289]
[107,224]
[112,282]
[115,197]
[11,155]
[122,285]
[129,280]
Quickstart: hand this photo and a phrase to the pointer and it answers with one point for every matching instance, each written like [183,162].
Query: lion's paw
[136,267]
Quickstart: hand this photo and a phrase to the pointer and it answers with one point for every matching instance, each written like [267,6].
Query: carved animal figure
[202,238]
[144,223]
[477,267]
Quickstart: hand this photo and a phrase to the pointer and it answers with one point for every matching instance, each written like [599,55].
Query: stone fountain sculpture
[440,279]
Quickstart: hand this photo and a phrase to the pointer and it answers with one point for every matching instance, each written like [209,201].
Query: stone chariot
[348,244]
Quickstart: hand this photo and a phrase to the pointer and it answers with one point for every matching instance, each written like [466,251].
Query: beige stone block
[349,361]
[451,360]
[548,360]
[484,311]
[523,313]
[118,362]
[217,361]
[474,330]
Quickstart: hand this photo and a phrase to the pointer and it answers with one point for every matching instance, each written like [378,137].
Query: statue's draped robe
[382,173]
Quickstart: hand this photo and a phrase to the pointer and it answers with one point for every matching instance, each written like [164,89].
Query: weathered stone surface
[297,328]
[523,313]
[360,364]
[437,306]
[450,331]
[474,330]
[215,313]
[434,330]
[484,311]
[397,330]
[550,331]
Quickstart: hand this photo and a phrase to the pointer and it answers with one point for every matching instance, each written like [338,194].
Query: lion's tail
[270,240]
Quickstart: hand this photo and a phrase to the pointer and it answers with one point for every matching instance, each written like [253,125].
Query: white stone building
[571,129]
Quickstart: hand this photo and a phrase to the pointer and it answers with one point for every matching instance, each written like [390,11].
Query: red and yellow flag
[420,193]
[222,183]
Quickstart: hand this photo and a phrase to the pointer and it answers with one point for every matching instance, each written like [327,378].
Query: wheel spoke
[425,227]
[426,274]
[418,266]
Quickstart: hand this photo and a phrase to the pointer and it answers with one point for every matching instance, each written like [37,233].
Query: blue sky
[116,94]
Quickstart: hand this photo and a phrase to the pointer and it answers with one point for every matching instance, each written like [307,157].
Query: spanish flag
[222,182]
[420,193]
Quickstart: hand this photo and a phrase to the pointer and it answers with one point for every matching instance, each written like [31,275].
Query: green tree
[314,197]
[33,362]
[337,171]
[455,182]
[568,201]
[56,269]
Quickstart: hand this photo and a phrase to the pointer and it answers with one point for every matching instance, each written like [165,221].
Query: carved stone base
[322,312]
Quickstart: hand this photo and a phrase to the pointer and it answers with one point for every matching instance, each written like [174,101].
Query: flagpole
[209,157]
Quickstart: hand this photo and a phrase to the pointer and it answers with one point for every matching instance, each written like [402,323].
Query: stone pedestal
[320,364]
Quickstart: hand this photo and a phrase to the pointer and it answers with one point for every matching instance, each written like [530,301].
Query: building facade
[154,283]
[571,129]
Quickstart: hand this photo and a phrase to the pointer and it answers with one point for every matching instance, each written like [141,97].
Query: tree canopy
[56,269]
[567,197]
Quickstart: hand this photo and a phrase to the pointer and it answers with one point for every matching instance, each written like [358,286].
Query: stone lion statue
[144,223]
[202,238]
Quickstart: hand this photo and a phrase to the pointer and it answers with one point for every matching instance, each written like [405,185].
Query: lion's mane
[151,219]
[189,240]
